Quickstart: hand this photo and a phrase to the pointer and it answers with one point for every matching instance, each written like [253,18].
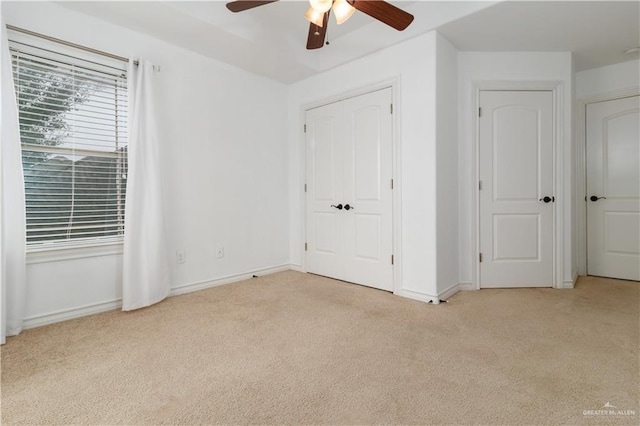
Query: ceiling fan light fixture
[321,6]
[315,17]
[343,10]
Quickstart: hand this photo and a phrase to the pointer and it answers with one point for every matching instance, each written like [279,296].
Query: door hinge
[305,187]
[391,108]
[479,112]
[479,185]
[305,246]
[391,183]
[305,128]
[480,257]
[392,259]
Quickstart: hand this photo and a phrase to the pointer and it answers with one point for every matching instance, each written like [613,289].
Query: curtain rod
[68,43]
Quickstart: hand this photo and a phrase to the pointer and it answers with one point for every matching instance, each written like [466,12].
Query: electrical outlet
[180,256]
[220,252]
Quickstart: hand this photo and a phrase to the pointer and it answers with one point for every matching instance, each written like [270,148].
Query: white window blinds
[73,128]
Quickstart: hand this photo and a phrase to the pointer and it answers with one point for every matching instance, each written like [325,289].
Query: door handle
[548,199]
[339,206]
[348,207]
[596,198]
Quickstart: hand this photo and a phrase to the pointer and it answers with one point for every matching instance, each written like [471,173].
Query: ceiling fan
[318,14]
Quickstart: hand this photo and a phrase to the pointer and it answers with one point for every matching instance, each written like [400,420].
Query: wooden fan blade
[384,12]
[241,5]
[315,40]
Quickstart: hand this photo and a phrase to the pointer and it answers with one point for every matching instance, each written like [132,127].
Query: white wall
[232,153]
[446,165]
[223,149]
[516,67]
[412,63]
[608,79]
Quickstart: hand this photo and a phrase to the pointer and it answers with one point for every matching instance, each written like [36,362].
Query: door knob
[596,198]
[547,199]
[348,207]
[339,206]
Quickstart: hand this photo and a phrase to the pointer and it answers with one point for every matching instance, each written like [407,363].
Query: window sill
[55,254]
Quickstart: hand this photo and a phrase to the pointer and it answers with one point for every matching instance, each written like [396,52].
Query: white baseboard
[423,297]
[297,268]
[570,283]
[201,285]
[466,286]
[445,295]
[68,314]
[96,308]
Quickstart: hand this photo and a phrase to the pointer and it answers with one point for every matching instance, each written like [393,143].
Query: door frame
[556,88]
[396,168]
[581,167]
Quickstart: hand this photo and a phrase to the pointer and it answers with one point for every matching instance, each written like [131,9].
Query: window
[73,129]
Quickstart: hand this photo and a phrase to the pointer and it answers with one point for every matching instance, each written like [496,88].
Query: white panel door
[324,129]
[349,195]
[613,188]
[367,190]
[516,174]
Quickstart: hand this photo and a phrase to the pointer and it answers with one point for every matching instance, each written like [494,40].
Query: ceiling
[597,32]
[270,40]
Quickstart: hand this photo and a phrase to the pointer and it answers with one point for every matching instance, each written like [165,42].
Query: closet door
[367,190]
[349,192]
[324,130]
[613,188]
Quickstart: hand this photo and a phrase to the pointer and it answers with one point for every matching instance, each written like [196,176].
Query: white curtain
[12,208]
[146,277]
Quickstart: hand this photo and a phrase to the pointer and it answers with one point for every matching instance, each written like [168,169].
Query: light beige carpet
[301,349]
